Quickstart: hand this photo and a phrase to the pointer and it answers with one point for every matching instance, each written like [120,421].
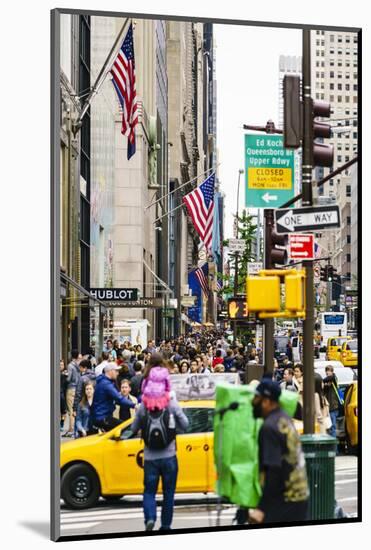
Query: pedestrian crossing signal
[237,308]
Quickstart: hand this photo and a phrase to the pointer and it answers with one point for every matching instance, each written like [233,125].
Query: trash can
[320,451]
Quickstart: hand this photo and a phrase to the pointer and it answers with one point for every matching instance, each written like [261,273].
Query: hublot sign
[113,294]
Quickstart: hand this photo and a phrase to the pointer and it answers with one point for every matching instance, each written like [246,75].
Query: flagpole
[182,185]
[170,212]
[103,72]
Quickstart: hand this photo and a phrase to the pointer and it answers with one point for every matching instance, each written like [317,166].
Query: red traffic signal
[323,154]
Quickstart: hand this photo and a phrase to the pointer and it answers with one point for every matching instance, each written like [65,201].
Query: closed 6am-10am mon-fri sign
[270,171]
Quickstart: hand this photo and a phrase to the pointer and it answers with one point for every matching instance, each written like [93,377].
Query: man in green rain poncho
[281,461]
[258,454]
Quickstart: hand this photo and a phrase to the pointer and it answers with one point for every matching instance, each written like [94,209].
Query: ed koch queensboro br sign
[115,294]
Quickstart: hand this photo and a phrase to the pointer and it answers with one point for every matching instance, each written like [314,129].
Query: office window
[323,64]
[355,99]
[322,75]
[347,111]
[323,53]
[355,76]
[347,87]
[346,158]
[340,75]
[332,38]
[317,96]
[340,86]
[322,42]
[340,39]
[347,51]
[331,98]
[317,63]
[332,74]
[318,42]
[317,75]
[322,85]
[339,147]
[332,85]
[340,51]
[340,99]
[347,144]
[340,63]
[348,190]
[348,220]
[332,50]
[339,158]
[332,64]
[318,53]
[355,135]
[355,87]
[355,39]
[331,183]
[347,39]
[348,258]
[349,240]
[347,99]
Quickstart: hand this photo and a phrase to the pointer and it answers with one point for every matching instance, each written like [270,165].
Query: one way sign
[307,219]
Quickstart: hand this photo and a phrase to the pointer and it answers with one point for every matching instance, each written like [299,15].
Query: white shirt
[99,368]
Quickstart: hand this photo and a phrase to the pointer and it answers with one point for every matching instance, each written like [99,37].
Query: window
[347,51]
[340,99]
[355,76]
[340,39]
[355,135]
[348,258]
[340,63]
[332,38]
[347,64]
[340,51]
[354,123]
[347,87]
[355,99]
[322,75]
[349,240]
[339,158]
[332,51]
[332,63]
[340,86]
[346,158]
[339,146]
[332,74]
[347,99]
[355,87]
[340,75]
[331,98]
[317,75]
[348,190]
[317,96]
[318,42]
[322,85]
[347,112]
[347,39]
[348,220]
[323,64]
[332,85]
[200,420]
[317,63]
[331,183]
[318,53]
[355,40]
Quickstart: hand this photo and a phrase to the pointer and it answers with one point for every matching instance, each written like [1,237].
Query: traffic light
[330,273]
[292,127]
[323,274]
[294,291]
[263,293]
[278,255]
[323,153]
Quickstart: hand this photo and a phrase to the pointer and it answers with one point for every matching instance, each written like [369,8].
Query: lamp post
[240,172]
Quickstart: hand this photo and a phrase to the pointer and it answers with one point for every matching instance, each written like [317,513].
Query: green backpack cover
[236,452]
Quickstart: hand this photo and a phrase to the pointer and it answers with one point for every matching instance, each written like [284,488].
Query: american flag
[123,79]
[317,250]
[200,205]
[202,274]
[219,284]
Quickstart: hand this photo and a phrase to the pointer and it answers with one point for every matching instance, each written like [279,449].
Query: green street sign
[270,171]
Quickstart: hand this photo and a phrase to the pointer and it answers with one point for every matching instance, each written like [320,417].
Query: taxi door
[123,464]
[195,451]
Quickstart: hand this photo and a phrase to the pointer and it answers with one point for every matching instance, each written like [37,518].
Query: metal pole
[308,325]
[236,256]
[268,323]
[103,72]
[258,238]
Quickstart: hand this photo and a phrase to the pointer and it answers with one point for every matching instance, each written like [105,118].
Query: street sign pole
[268,323]
[308,325]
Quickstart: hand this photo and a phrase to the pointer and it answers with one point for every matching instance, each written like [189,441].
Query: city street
[191,511]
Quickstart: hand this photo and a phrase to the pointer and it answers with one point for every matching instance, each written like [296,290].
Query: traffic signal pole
[307,200]
[268,323]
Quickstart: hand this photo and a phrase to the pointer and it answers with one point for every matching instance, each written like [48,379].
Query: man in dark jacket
[106,397]
[136,381]
[332,395]
[281,461]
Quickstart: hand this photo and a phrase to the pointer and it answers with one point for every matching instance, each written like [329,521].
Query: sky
[247,93]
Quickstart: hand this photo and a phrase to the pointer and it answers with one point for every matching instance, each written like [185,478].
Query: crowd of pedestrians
[114,380]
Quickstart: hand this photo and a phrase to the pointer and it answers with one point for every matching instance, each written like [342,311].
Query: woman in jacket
[83,416]
[321,405]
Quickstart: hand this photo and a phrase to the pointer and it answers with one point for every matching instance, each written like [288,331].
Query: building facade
[335,80]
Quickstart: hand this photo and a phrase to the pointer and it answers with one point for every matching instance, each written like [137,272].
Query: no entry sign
[301,247]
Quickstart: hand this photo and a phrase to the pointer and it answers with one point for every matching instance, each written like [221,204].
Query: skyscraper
[335,80]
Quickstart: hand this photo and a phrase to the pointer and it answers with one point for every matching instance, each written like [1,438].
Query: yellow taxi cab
[349,353]
[111,464]
[334,345]
[351,415]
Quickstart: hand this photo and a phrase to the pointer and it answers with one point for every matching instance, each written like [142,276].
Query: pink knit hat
[156,389]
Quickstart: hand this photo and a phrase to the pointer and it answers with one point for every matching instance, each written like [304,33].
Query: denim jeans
[333,416]
[167,469]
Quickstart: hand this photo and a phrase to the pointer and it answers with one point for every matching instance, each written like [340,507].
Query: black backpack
[156,433]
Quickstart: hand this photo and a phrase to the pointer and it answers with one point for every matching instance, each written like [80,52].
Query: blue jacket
[106,396]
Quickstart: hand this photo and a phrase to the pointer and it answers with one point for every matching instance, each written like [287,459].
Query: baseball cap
[268,388]
[112,366]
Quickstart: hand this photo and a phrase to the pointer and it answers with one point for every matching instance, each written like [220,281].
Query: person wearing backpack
[159,418]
